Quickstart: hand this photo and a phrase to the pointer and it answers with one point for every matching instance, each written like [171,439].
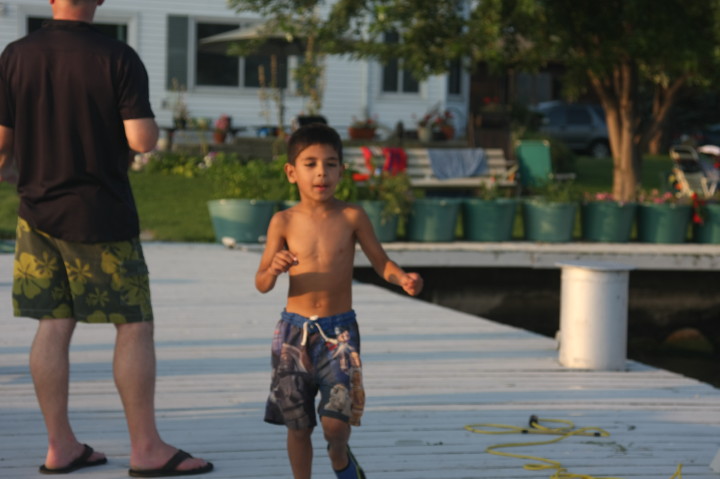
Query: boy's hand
[412,283]
[282,262]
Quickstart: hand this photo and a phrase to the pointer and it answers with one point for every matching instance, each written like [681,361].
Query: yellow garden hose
[566,430]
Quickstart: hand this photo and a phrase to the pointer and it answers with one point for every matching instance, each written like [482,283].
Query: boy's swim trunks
[311,355]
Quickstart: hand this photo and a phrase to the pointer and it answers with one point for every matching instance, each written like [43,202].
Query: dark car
[707,135]
[581,126]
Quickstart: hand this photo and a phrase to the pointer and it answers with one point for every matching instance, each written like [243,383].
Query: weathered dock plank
[429,371]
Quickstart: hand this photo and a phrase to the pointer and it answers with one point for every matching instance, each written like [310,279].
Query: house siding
[351,87]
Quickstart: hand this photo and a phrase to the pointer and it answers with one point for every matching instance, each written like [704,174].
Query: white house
[166,33]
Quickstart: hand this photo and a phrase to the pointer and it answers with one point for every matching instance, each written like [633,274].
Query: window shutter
[177,54]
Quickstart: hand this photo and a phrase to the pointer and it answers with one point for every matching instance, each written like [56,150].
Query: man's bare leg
[134,370]
[50,369]
[300,452]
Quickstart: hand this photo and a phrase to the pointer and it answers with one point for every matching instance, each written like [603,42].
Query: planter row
[436,219]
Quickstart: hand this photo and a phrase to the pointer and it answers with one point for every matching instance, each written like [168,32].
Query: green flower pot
[245,221]
[488,220]
[709,230]
[385,226]
[287,204]
[433,219]
[549,222]
[607,221]
[662,222]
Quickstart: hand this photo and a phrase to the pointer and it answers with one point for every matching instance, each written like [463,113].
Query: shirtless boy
[316,345]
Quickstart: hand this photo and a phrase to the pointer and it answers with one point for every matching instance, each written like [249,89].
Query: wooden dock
[429,371]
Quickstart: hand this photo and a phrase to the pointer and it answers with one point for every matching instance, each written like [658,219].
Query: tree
[635,55]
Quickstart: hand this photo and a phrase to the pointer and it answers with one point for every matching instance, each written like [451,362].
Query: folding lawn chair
[535,163]
[689,175]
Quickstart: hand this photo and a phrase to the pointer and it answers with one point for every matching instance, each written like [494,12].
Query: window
[394,78]
[114,30]
[578,115]
[216,69]
[252,65]
[454,85]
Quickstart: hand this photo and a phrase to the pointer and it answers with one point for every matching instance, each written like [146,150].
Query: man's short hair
[313,134]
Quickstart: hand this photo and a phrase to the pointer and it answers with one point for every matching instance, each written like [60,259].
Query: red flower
[697,205]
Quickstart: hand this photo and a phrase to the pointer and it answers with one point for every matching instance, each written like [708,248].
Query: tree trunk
[629,135]
[618,94]
[653,133]
[626,171]
[656,144]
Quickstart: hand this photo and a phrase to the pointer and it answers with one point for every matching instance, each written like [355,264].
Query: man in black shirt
[74,105]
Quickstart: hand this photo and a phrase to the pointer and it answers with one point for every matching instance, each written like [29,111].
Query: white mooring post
[593,315]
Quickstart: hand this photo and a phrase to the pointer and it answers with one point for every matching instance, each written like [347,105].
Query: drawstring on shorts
[312,321]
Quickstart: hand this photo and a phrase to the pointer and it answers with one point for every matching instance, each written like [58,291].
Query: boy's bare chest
[321,241]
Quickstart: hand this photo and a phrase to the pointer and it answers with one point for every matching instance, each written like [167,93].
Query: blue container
[433,219]
[549,222]
[488,220]
[245,221]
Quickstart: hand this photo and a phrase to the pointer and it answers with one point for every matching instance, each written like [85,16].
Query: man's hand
[8,171]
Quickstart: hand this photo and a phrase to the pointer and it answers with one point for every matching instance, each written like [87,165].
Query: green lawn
[595,175]
[174,208]
[8,211]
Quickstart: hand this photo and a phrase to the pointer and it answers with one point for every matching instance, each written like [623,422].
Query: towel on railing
[457,162]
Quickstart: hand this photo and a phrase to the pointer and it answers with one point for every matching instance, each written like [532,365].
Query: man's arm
[8,171]
[142,134]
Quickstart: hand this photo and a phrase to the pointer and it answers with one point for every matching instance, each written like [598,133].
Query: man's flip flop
[78,463]
[169,469]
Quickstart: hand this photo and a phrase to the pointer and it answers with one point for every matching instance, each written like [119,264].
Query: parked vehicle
[706,135]
[580,126]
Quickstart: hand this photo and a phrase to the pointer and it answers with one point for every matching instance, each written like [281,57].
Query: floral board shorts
[310,355]
[90,282]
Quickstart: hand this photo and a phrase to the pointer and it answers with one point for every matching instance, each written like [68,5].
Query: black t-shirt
[65,90]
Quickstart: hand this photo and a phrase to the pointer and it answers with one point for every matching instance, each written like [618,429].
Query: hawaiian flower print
[78,276]
[47,265]
[29,279]
[98,298]
[118,260]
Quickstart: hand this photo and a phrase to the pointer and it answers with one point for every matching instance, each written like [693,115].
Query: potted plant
[489,216]
[433,219]
[604,219]
[386,198]
[248,193]
[706,220]
[222,127]
[436,124]
[362,129]
[549,215]
[663,217]
[493,113]
[180,112]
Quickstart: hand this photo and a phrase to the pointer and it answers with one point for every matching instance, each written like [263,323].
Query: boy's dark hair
[313,134]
